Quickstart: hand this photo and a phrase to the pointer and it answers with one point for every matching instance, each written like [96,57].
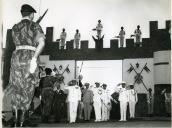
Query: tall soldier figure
[28,38]
[132,100]
[77,38]
[123,98]
[122,36]
[97,92]
[47,94]
[138,34]
[99,28]
[87,100]
[63,38]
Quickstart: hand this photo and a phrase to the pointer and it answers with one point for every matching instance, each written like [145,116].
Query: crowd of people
[99,28]
[29,41]
[82,98]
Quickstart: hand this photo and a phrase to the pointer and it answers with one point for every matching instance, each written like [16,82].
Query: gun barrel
[41,17]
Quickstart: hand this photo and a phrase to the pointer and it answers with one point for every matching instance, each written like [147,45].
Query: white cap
[123,82]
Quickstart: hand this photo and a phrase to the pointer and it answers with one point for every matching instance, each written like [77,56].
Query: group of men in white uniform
[99,29]
[100,98]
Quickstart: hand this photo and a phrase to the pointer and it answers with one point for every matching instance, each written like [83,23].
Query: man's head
[123,84]
[48,71]
[57,84]
[138,26]
[97,84]
[99,21]
[104,86]
[77,30]
[87,85]
[122,28]
[27,11]
[131,86]
[63,29]
[149,90]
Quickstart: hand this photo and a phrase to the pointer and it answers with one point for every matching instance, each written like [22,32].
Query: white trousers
[97,109]
[132,108]
[123,110]
[105,112]
[72,111]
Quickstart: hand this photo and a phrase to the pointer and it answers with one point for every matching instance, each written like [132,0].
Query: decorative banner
[138,77]
[59,75]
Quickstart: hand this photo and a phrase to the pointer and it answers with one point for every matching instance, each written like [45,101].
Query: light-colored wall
[162,73]
[50,64]
[148,78]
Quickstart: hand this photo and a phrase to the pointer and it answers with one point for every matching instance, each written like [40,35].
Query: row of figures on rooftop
[99,28]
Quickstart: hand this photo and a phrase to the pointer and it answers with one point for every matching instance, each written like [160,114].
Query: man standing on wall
[138,34]
[63,38]
[77,38]
[122,36]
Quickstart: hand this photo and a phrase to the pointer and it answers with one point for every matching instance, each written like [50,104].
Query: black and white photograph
[85,63]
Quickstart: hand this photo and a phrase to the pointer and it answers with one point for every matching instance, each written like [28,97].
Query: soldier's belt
[27,47]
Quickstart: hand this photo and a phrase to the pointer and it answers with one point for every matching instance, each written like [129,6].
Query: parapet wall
[159,40]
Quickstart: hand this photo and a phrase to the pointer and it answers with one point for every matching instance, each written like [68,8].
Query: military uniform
[121,37]
[63,39]
[123,99]
[106,105]
[132,95]
[138,33]
[74,96]
[97,92]
[99,28]
[87,101]
[77,39]
[59,104]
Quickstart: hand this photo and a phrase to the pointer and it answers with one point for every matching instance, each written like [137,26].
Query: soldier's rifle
[41,17]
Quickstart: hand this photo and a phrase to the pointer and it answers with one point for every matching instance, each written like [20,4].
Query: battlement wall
[159,40]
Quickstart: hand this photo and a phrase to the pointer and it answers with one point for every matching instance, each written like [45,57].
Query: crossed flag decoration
[60,75]
[138,77]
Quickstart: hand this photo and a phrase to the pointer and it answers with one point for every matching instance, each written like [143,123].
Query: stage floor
[146,122]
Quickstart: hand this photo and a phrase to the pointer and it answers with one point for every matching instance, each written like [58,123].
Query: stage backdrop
[133,67]
[68,74]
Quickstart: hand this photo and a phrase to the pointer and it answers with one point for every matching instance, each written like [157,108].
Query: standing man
[123,99]
[150,102]
[132,100]
[77,38]
[59,101]
[28,38]
[74,97]
[99,29]
[138,34]
[106,103]
[97,92]
[47,94]
[122,36]
[88,101]
[63,38]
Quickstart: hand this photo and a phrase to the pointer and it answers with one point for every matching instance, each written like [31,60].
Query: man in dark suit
[59,101]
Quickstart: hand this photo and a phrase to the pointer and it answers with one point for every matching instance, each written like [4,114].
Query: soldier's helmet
[27,8]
